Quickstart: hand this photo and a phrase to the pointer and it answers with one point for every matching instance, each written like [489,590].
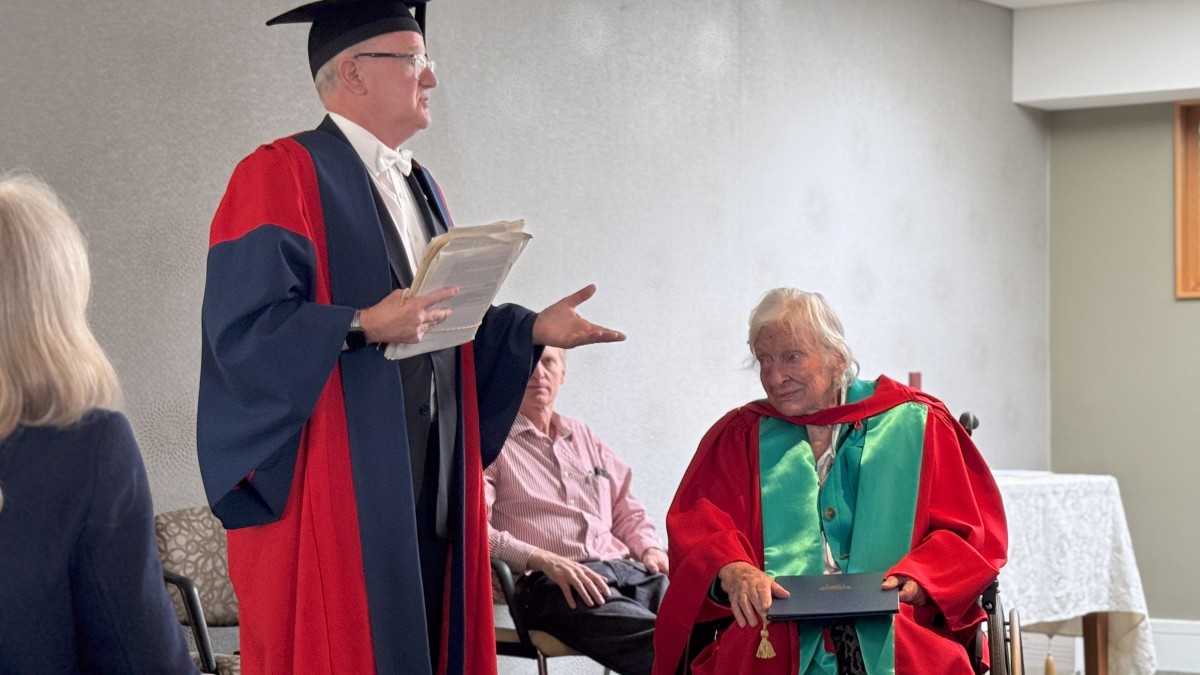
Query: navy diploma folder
[833,596]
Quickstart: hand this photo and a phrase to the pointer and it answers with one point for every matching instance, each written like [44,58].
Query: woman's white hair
[805,314]
[52,370]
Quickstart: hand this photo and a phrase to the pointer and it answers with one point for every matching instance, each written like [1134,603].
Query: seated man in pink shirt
[560,507]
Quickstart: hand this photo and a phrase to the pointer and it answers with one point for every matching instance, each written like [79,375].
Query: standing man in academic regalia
[351,484]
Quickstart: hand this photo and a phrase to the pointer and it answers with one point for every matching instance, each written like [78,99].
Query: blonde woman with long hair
[80,582]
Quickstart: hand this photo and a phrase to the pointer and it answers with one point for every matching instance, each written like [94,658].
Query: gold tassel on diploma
[765,650]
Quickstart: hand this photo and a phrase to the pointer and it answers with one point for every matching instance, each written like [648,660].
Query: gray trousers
[618,634]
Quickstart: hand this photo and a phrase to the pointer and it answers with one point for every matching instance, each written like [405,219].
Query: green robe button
[830,513]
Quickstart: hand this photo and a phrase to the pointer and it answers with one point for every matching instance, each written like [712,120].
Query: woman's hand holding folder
[750,591]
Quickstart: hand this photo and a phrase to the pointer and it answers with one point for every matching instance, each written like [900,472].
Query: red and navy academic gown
[303,446]
[959,542]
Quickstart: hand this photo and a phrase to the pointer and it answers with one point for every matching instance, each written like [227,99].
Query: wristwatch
[356,337]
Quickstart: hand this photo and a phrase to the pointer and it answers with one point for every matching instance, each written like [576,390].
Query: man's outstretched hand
[559,325]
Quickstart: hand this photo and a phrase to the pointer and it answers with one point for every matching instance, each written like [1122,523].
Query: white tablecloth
[1069,554]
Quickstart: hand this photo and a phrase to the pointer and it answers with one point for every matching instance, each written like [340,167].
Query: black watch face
[356,339]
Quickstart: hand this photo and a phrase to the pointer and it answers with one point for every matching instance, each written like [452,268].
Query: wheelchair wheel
[1016,651]
[997,637]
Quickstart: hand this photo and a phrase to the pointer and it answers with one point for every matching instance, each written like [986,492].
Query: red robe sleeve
[960,537]
[714,520]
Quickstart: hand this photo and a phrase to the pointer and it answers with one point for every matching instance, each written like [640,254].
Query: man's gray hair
[805,314]
[326,78]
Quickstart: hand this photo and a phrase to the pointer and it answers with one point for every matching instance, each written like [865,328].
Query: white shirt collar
[365,143]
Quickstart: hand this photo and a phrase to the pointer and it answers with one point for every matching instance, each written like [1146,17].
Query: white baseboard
[1177,645]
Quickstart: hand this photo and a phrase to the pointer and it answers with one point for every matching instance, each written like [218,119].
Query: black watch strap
[356,338]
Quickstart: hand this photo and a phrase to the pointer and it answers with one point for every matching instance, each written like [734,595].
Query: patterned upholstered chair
[518,640]
[191,546]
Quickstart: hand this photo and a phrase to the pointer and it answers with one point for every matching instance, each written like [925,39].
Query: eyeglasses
[420,61]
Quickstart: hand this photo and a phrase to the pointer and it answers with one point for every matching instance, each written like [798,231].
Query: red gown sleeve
[960,537]
[711,523]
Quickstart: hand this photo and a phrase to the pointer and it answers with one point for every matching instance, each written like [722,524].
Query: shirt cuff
[640,545]
[515,553]
[717,594]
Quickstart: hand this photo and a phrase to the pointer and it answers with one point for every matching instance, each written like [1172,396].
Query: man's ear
[350,76]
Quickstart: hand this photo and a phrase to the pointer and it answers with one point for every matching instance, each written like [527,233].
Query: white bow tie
[386,157]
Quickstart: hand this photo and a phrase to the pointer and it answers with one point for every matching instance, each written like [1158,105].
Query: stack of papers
[477,260]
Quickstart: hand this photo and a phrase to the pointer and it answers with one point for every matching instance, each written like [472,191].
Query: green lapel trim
[888,483]
[788,481]
[792,533]
[890,473]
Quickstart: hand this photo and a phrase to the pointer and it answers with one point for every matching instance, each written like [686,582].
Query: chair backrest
[191,542]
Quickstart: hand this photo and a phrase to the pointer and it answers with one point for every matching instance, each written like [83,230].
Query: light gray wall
[685,155]
[1123,348]
[137,112]
[688,156]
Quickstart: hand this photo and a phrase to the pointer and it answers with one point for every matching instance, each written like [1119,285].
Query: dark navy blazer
[81,588]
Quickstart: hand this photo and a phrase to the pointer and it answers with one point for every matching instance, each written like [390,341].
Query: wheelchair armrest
[191,603]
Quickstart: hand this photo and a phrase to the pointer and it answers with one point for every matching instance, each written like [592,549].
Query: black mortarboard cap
[337,24]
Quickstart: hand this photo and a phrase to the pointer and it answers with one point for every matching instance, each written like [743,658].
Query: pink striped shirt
[569,496]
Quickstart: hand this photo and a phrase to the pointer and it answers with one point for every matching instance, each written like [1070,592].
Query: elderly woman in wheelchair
[829,475]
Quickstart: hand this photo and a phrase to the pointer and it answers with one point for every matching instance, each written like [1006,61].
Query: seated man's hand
[910,591]
[570,575]
[559,325]
[750,591]
[401,317]
[656,562]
